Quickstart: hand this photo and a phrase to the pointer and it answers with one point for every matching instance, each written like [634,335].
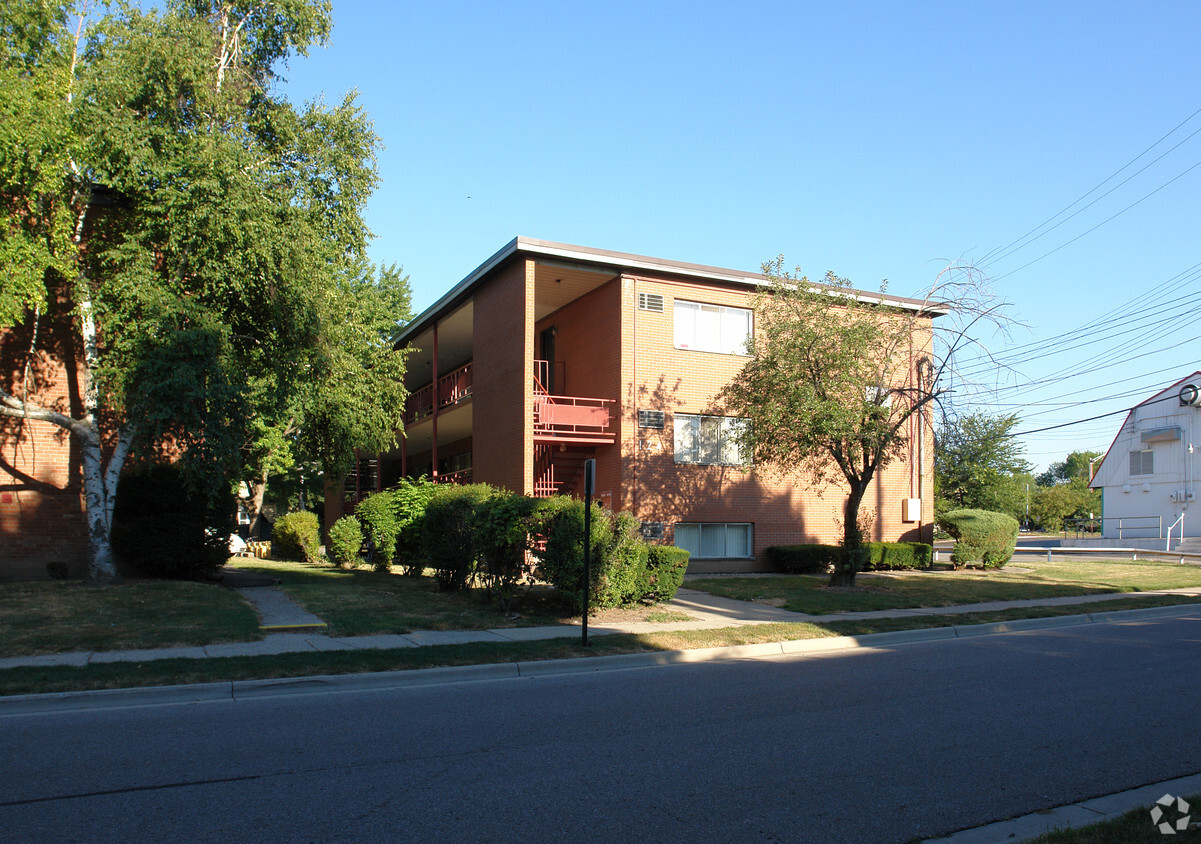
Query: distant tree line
[978,464]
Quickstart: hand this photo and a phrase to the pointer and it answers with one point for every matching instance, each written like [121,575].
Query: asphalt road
[872,745]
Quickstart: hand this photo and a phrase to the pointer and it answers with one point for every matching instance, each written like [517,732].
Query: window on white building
[709,440]
[712,540]
[1142,462]
[711,328]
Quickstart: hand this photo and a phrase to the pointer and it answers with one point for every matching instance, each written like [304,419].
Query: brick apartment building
[549,354]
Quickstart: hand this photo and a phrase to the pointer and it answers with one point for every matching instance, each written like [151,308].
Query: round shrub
[296,536]
[162,527]
[981,537]
[665,567]
[618,555]
[345,540]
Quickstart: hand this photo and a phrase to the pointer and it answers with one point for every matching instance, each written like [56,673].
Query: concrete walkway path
[289,628]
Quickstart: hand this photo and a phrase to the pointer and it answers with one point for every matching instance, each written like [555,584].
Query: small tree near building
[978,465]
[837,379]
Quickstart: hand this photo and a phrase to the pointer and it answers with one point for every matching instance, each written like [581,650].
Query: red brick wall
[41,503]
[502,391]
[784,507]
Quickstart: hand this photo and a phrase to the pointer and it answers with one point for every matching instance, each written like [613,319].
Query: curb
[1079,814]
[16,705]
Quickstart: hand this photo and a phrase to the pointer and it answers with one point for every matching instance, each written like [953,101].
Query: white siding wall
[1137,499]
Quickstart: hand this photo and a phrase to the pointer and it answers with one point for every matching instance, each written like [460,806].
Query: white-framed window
[715,539]
[711,328]
[708,440]
[1142,462]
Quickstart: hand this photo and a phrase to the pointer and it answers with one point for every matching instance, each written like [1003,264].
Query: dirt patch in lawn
[632,615]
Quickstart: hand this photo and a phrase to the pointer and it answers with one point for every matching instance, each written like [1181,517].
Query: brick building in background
[42,525]
[549,354]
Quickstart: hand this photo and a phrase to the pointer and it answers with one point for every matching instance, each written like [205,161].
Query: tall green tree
[836,376]
[195,220]
[352,392]
[1076,466]
[977,462]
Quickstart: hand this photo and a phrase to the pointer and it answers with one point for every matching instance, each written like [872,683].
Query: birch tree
[190,214]
[837,375]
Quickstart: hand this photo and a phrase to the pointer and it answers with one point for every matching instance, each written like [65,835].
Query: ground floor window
[716,539]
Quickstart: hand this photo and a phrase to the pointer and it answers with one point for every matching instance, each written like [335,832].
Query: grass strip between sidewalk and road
[45,679]
[1133,827]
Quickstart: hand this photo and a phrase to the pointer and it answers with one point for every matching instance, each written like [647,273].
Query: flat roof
[618,261]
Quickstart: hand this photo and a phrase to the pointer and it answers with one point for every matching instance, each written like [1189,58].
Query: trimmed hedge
[881,556]
[296,536]
[886,556]
[163,528]
[665,567]
[980,536]
[803,559]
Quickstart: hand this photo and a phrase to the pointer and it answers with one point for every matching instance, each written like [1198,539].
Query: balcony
[452,389]
[568,419]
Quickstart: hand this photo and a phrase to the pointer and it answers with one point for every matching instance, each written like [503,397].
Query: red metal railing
[463,476]
[568,417]
[452,389]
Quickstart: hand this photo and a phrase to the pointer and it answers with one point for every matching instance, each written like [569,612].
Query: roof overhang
[583,257]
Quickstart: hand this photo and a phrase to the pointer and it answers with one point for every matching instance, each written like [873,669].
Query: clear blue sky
[878,140]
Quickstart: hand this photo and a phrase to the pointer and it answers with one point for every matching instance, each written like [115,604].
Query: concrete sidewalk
[289,628]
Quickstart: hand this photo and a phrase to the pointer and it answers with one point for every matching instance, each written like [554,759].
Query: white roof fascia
[627,261]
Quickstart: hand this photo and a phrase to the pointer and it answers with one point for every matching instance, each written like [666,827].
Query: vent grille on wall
[650,302]
[652,531]
[650,419]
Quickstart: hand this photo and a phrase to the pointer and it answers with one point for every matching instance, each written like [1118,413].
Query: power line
[988,256]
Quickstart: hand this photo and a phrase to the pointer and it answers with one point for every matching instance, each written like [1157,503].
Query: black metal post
[589,486]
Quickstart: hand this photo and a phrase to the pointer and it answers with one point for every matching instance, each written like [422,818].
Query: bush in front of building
[503,525]
[618,554]
[409,501]
[451,533]
[377,516]
[981,537]
[665,567]
[163,527]
[296,536]
[891,556]
[803,559]
[345,540]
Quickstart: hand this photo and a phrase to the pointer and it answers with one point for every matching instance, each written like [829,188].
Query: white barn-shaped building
[1151,474]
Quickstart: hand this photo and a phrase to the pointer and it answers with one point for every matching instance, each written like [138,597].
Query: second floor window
[711,440]
[711,328]
[1142,462]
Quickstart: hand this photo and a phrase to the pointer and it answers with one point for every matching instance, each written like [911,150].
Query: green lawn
[53,617]
[1133,827]
[357,602]
[942,588]
[57,616]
